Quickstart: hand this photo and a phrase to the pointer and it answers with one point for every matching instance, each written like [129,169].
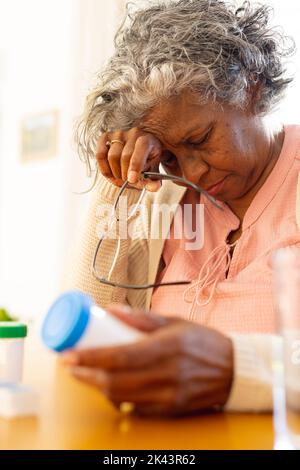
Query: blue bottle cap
[66,320]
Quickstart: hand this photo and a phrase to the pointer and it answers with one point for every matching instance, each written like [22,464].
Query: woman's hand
[179,368]
[138,151]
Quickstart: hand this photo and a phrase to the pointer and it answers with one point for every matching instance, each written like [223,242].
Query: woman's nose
[193,168]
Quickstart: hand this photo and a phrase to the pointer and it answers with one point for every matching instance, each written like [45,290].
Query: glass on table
[287,293]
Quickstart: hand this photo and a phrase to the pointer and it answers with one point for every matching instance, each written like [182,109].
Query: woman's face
[222,149]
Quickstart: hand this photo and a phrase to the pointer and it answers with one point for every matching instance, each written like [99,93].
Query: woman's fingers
[123,385]
[140,388]
[145,149]
[95,377]
[101,156]
[126,158]
[153,391]
[152,186]
[145,392]
[132,356]
[127,152]
[160,395]
[114,154]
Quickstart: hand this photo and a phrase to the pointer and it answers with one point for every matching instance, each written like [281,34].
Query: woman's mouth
[216,188]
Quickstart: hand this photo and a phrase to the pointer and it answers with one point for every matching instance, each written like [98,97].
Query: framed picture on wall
[39,136]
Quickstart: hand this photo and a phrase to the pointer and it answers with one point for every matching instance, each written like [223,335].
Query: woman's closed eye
[199,142]
[169,160]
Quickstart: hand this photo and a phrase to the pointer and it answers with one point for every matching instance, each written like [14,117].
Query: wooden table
[75,416]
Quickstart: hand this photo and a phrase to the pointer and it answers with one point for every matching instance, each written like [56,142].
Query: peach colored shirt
[234,294]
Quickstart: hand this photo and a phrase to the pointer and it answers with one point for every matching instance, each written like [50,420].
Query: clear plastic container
[75,322]
[287,294]
[12,335]
[17,400]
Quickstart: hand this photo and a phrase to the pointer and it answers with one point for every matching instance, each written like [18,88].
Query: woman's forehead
[173,119]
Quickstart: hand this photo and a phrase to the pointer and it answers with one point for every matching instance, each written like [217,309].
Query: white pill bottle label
[103,329]
[75,322]
[12,336]
[11,360]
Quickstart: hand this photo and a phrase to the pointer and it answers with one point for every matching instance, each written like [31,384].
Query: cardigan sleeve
[253,374]
[78,274]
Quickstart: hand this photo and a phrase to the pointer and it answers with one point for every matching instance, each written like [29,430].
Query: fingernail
[70,358]
[132,176]
[153,186]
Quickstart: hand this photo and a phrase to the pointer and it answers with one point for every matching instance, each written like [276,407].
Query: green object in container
[10,329]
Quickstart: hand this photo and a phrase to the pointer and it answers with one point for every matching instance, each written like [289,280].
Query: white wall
[50,50]
[287,13]
[36,48]
[94,25]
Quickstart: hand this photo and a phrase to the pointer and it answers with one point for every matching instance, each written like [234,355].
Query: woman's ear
[255,94]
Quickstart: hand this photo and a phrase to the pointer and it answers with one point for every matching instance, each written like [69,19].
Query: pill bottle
[12,336]
[75,322]
[17,400]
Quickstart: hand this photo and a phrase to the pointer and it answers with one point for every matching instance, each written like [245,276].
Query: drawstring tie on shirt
[208,275]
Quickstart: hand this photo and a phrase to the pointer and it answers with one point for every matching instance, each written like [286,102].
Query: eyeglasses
[114,218]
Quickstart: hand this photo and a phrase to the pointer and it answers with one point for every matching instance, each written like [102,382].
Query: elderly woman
[187,94]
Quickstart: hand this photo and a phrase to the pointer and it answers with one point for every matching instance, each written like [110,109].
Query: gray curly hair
[206,46]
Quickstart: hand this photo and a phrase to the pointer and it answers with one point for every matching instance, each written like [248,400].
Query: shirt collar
[276,178]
